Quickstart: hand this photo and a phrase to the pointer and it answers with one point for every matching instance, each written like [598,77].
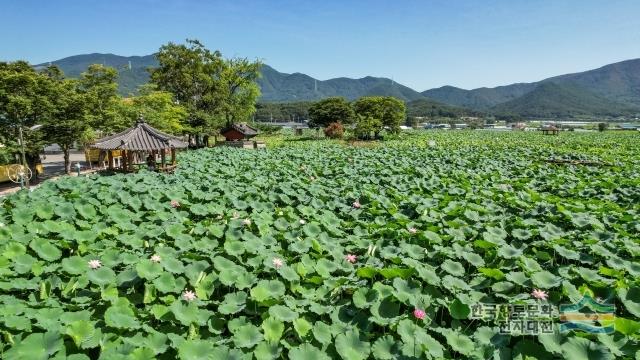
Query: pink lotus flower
[175,204]
[189,295]
[156,258]
[413,230]
[419,313]
[94,264]
[246,222]
[539,294]
[351,258]
[277,262]
[356,204]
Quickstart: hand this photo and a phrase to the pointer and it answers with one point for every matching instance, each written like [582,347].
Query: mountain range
[611,90]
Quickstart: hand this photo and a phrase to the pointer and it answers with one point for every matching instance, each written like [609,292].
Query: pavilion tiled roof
[141,137]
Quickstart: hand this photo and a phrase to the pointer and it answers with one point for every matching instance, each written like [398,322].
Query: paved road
[54,163]
[53,166]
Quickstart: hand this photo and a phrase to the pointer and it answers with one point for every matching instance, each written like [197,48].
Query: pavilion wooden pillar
[125,161]
[162,157]
[130,158]
[110,157]
[173,156]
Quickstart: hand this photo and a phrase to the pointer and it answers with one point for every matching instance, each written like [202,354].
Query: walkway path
[53,168]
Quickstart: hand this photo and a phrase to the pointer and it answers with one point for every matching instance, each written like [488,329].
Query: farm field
[315,249]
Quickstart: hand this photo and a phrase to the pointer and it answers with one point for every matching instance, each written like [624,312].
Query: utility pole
[22,151]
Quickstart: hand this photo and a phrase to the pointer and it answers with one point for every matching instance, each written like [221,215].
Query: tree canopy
[214,91]
[330,110]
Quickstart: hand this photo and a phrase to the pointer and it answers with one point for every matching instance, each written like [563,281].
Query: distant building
[240,131]
[628,127]
[519,126]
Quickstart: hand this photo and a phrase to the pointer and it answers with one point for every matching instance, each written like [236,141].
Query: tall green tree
[191,72]
[239,90]
[67,121]
[389,112]
[24,102]
[214,91]
[100,88]
[158,109]
[330,110]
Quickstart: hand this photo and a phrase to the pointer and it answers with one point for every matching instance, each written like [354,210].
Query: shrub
[334,131]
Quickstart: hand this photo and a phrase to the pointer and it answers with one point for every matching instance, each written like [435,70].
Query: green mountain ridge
[618,82]
[564,100]
[616,86]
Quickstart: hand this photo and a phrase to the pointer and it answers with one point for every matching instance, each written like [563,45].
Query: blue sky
[419,43]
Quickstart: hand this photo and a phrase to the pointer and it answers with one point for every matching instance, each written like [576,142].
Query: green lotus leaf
[188,314]
[312,229]
[517,277]
[166,283]
[405,291]
[142,353]
[272,329]
[288,274]
[325,267]
[363,297]
[626,326]
[44,211]
[267,351]
[148,269]
[459,342]
[545,280]
[385,311]
[268,289]
[120,316]
[350,346]
[101,276]
[509,252]
[579,348]
[552,342]
[84,334]
[307,351]
[630,299]
[35,346]
[234,248]
[247,336]
[502,286]
[233,303]
[197,350]
[74,265]
[395,272]
[45,249]
[65,210]
[17,322]
[459,310]
[322,332]
[302,326]
[453,267]
[283,313]
[87,211]
[385,348]
[474,259]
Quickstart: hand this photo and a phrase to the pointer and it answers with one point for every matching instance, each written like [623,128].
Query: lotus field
[324,250]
